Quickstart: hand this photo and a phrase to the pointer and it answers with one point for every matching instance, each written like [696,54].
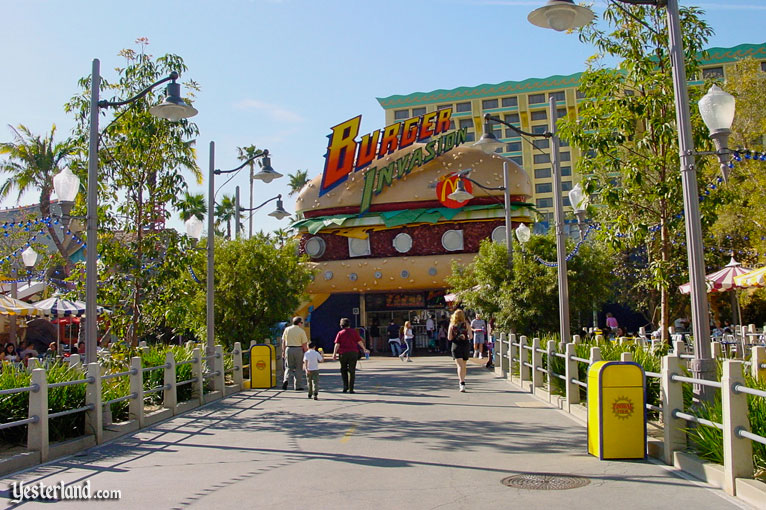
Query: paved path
[406,439]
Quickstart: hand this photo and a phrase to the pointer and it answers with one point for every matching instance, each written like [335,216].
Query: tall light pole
[278,212]
[174,108]
[566,17]
[267,174]
[489,143]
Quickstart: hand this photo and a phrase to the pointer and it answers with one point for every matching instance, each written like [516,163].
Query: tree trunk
[45,211]
[664,295]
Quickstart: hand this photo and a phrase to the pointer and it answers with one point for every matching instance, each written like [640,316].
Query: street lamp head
[561,15]
[460,194]
[266,174]
[29,256]
[173,108]
[66,185]
[577,199]
[717,109]
[194,227]
[279,213]
[488,141]
[523,234]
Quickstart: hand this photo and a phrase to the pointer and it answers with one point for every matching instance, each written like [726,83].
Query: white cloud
[276,112]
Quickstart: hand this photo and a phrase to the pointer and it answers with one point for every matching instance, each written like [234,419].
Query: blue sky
[280,73]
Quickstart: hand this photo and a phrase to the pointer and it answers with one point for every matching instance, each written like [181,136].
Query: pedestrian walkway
[406,440]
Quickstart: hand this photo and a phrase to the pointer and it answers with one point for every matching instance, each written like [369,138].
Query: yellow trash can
[616,410]
[263,366]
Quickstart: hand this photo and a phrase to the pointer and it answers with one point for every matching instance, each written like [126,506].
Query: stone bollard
[74,360]
[716,349]
[512,347]
[198,390]
[551,353]
[219,377]
[758,366]
[672,396]
[237,361]
[626,356]
[737,451]
[571,372]
[595,355]
[136,406]
[94,417]
[537,363]
[524,373]
[37,432]
[170,395]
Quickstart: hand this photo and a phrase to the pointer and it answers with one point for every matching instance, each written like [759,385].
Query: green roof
[714,56]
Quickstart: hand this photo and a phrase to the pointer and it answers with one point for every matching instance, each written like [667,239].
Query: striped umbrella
[58,307]
[721,280]
[755,278]
[10,306]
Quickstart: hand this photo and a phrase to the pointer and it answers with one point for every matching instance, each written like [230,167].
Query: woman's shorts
[461,350]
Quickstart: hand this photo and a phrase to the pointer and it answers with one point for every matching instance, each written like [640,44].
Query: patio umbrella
[721,280]
[10,306]
[59,307]
[755,278]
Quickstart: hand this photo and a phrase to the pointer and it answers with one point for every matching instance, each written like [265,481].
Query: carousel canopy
[721,280]
[10,306]
[59,307]
[754,278]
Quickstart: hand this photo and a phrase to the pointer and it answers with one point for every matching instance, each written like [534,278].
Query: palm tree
[246,153]
[192,205]
[32,162]
[224,213]
[297,181]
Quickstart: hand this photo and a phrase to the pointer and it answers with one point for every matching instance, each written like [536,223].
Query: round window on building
[315,247]
[498,234]
[403,242]
[452,240]
[328,275]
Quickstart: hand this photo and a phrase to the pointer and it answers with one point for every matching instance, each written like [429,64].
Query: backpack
[461,332]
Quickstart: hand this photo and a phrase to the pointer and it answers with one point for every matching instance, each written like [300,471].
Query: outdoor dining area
[46,330]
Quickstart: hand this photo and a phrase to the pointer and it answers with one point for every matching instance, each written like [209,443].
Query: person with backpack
[459,334]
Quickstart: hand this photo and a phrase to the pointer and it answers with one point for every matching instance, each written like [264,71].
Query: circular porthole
[403,242]
[352,277]
[405,273]
[315,247]
[432,271]
[498,234]
[378,275]
[452,240]
[328,275]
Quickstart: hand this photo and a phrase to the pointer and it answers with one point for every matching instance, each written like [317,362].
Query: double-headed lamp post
[717,110]
[278,212]
[173,108]
[489,143]
[266,174]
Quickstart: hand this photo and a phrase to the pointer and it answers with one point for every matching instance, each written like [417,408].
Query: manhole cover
[545,481]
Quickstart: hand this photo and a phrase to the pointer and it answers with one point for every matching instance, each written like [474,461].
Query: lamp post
[278,213]
[29,257]
[489,143]
[702,366]
[266,174]
[577,201]
[173,108]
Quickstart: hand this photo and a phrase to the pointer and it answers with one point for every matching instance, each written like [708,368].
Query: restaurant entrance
[415,307]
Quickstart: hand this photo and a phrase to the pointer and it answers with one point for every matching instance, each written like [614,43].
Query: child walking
[311,361]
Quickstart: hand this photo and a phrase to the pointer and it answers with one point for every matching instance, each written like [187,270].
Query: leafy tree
[297,181]
[627,127]
[142,162]
[33,161]
[192,205]
[245,153]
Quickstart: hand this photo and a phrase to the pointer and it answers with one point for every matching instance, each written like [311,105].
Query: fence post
[626,356]
[218,378]
[599,339]
[679,347]
[716,349]
[537,363]
[136,406]
[94,418]
[198,391]
[74,360]
[37,433]
[595,355]
[236,354]
[551,349]
[672,396]
[571,372]
[758,359]
[499,355]
[737,451]
[170,395]
[523,374]
[33,363]
[512,345]
[656,343]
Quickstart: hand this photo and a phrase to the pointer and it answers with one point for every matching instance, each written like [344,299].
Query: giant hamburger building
[381,231]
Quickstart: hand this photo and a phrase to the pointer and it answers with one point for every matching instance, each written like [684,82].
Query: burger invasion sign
[347,154]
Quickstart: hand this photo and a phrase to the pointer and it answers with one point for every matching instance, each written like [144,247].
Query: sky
[278,74]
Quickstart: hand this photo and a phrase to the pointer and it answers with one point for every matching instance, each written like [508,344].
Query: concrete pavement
[406,439]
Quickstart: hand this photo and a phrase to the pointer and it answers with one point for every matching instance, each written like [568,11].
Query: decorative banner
[446,186]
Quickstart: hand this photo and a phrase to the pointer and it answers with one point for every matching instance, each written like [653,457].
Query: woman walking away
[409,341]
[459,334]
[347,345]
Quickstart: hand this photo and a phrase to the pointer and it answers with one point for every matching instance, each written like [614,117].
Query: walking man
[294,344]
[479,328]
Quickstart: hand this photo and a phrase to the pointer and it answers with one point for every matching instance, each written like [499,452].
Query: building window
[488,104]
[712,72]
[541,143]
[466,124]
[401,114]
[517,159]
[560,96]
[565,171]
[565,201]
[542,158]
[763,66]
[545,187]
[538,130]
[358,247]
[417,112]
[566,156]
[443,106]
[539,115]
[536,98]
[463,107]
[470,137]
[542,173]
[452,240]
[511,118]
[510,101]
[561,112]
[580,95]
[544,202]
[513,147]
[566,185]
[563,143]
[452,124]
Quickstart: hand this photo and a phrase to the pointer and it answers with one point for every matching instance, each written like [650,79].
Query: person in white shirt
[294,344]
[479,328]
[311,361]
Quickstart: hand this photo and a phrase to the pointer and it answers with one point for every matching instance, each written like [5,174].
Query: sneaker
[401,357]
[351,391]
[315,397]
[408,359]
[462,387]
[309,395]
[345,390]
[284,385]
[299,389]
